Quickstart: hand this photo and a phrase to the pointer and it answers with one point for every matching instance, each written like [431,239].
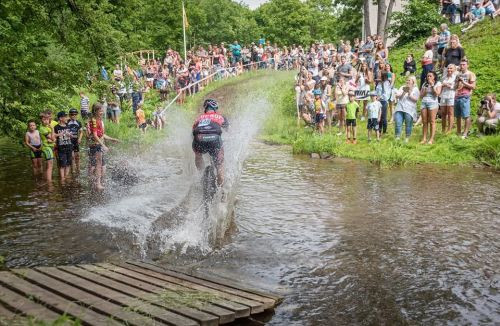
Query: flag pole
[184,30]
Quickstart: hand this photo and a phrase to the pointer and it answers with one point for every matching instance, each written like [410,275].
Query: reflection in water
[348,243]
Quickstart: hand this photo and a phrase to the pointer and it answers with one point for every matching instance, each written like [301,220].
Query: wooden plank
[224,315]
[56,302]
[225,309]
[10,318]
[26,306]
[268,303]
[94,302]
[138,273]
[226,282]
[199,316]
[257,305]
[134,306]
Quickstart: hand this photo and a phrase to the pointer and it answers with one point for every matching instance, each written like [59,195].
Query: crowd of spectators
[469,11]
[337,83]
[60,138]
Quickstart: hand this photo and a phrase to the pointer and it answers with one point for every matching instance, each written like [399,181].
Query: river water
[345,242]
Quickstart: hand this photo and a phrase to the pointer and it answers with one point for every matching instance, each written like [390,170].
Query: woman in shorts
[448,98]
[429,93]
[341,98]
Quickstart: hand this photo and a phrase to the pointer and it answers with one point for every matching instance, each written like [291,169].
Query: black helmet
[210,104]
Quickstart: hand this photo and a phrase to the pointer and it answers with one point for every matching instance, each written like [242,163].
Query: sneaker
[398,139]
[407,140]
[464,136]
[362,118]
[339,134]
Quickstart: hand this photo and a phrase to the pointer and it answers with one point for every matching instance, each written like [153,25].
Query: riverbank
[482,46]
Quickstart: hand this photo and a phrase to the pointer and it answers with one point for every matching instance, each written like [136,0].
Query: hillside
[482,48]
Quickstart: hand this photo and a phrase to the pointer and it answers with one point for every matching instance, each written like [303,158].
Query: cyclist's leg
[198,155]
[217,154]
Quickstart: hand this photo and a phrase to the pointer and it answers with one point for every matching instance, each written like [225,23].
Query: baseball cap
[73,111]
[61,114]
[324,78]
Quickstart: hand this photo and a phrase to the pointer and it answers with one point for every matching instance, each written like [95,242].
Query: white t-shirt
[448,92]
[373,109]
[405,104]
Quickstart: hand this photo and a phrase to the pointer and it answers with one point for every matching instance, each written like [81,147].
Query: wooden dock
[130,293]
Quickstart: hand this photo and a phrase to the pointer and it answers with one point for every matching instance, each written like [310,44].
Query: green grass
[282,128]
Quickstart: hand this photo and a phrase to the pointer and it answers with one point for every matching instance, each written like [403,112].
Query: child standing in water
[47,136]
[33,140]
[64,145]
[351,109]
[140,118]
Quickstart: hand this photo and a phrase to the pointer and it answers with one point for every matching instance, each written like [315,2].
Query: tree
[415,21]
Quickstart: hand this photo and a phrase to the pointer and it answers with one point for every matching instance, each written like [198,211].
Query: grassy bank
[282,127]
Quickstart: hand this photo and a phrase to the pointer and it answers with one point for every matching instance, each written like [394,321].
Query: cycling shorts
[211,144]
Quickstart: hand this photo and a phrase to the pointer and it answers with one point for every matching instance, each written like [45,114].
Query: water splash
[164,211]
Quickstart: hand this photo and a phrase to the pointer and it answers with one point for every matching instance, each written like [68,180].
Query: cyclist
[207,130]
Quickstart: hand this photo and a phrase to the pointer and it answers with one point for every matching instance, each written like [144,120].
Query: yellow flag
[184,16]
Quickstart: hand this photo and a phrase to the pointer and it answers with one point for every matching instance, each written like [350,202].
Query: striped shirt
[84,104]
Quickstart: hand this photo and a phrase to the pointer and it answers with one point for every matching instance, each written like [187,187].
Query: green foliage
[415,21]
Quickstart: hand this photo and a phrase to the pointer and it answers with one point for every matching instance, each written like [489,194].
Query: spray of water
[164,210]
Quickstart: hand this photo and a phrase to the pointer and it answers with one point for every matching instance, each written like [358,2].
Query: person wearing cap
[351,108]
[64,145]
[374,113]
[75,127]
[320,111]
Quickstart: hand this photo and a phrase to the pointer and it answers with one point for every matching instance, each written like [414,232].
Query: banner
[362,95]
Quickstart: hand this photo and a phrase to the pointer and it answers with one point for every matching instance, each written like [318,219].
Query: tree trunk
[381,11]
[366,17]
[388,19]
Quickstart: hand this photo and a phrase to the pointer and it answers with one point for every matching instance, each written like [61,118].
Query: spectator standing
[75,128]
[84,106]
[443,40]
[48,139]
[341,98]
[384,91]
[406,109]
[433,40]
[427,62]
[64,145]
[455,53]
[448,98]
[351,109]
[465,84]
[374,112]
[33,141]
[431,89]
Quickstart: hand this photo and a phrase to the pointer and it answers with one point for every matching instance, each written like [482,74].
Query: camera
[483,102]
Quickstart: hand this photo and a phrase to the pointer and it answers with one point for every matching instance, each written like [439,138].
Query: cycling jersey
[210,123]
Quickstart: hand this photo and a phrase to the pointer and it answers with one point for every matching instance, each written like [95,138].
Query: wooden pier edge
[131,293]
